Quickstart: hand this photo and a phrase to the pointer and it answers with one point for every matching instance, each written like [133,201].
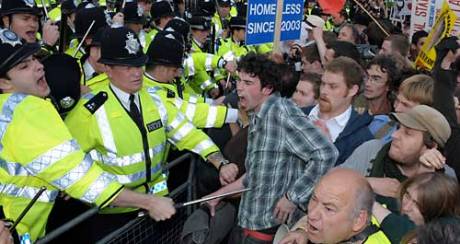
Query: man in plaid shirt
[286,154]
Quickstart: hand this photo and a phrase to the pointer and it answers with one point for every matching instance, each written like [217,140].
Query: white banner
[400,9]
[424,15]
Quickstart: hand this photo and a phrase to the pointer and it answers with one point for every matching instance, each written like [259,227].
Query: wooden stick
[83,39]
[372,17]
[45,9]
[278,20]
[228,80]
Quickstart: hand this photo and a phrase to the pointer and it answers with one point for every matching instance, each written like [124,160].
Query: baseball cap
[428,119]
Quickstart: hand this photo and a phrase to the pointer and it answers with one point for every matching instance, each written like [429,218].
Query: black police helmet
[224,3]
[207,7]
[166,49]
[121,46]
[19,7]
[161,9]
[85,16]
[133,13]
[242,8]
[179,25]
[237,22]
[97,38]
[65,93]
[69,6]
[13,50]
[198,22]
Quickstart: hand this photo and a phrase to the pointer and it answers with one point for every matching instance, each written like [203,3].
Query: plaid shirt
[286,154]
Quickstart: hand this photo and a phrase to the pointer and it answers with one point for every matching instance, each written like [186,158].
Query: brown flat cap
[426,118]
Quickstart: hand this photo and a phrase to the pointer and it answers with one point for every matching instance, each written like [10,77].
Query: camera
[366,51]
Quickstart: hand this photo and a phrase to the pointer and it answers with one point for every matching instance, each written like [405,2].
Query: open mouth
[41,82]
[31,34]
[312,229]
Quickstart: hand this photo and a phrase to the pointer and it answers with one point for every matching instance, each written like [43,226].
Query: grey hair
[364,200]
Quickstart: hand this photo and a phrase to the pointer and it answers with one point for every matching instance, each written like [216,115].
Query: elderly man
[339,211]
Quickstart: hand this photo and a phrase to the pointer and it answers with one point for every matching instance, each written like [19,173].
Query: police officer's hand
[283,209]
[5,235]
[295,237]
[228,173]
[50,33]
[161,208]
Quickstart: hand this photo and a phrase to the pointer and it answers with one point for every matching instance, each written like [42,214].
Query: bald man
[339,211]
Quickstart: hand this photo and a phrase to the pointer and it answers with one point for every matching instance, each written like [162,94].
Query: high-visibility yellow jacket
[196,68]
[48,3]
[201,114]
[229,48]
[55,14]
[149,38]
[38,150]
[378,238]
[115,142]
[72,50]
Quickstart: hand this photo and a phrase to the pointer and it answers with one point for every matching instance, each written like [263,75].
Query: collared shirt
[286,154]
[123,97]
[334,125]
[89,70]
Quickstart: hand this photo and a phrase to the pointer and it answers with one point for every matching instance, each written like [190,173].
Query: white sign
[424,15]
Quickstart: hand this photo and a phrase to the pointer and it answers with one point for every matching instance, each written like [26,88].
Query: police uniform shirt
[88,70]
[123,97]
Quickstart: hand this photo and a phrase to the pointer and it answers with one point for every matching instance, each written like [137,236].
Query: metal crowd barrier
[143,229]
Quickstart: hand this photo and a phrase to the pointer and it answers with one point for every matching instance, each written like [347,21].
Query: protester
[339,211]
[281,173]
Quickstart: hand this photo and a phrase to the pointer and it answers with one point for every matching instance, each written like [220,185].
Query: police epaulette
[96,102]
[170,93]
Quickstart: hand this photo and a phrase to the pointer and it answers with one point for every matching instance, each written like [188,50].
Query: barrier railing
[143,228]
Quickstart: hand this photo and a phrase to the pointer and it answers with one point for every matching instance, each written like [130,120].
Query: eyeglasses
[375,79]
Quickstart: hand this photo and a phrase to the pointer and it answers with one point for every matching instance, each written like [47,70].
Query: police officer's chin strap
[178,83]
[363,235]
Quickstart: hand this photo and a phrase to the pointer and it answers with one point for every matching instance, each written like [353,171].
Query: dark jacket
[443,101]
[354,134]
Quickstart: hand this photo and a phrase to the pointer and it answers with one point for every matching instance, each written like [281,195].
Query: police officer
[22,17]
[85,15]
[37,149]
[90,60]
[223,14]
[161,12]
[126,127]
[235,43]
[134,17]
[165,59]
[201,29]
